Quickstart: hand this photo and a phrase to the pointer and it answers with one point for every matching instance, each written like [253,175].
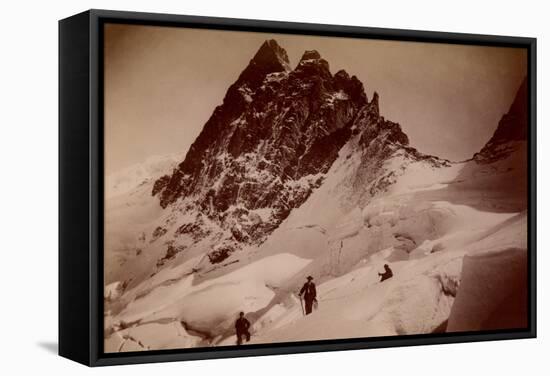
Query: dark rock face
[266,148]
[196,230]
[512,127]
[218,255]
[171,252]
[160,184]
[310,55]
[157,233]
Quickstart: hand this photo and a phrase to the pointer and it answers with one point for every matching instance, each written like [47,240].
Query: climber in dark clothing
[241,327]
[387,273]
[310,294]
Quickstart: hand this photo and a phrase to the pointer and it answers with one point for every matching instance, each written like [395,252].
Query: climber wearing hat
[241,327]
[309,293]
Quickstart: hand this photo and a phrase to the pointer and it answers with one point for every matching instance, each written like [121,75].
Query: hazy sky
[163,83]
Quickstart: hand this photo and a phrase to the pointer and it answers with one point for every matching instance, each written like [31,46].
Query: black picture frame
[81,186]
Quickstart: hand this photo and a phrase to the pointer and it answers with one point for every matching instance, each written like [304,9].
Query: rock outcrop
[512,128]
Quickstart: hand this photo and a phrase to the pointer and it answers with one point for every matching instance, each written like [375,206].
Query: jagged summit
[310,55]
[312,63]
[270,58]
[268,146]
[351,85]
[374,103]
[342,74]
[270,53]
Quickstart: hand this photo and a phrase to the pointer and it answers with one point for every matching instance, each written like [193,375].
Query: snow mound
[356,304]
[113,290]
[211,307]
[151,337]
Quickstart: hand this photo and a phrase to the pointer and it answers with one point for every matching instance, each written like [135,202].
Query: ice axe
[302,305]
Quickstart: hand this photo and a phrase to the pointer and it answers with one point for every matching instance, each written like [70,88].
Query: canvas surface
[238,164]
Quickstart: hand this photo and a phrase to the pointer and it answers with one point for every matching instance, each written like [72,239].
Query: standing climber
[310,294]
[241,327]
[387,273]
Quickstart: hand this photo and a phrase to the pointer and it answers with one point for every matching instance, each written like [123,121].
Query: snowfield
[455,237]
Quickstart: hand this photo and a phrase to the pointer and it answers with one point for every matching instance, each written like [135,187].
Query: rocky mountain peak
[311,63]
[270,58]
[513,125]
[342,75]
[373,105]
[511,128]
[273,55]
[268,146]
[351,85]
[310,55]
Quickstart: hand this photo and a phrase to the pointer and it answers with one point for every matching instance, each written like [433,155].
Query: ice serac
[482,303]
[266,148]
[511,130]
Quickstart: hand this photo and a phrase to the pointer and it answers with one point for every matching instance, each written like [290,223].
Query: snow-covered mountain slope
[347,195]
[129,210]
[261,155]
[123,181]
[264,149]
[423,233]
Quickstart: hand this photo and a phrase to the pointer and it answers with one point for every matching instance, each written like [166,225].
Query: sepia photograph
[268,188]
